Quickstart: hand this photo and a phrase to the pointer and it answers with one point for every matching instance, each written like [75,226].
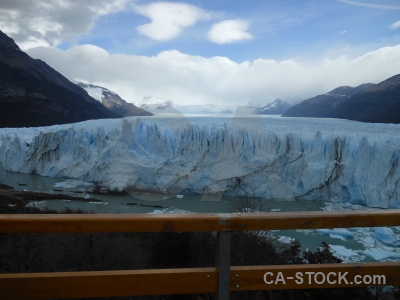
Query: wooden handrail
[108,283]
[185,281]
[179,281]
[197,222]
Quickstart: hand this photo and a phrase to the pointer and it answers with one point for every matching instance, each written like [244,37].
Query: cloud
[343,32]
[369,5]
[229,31]
[48,23]
[169,19]
[198,80]
[395,25]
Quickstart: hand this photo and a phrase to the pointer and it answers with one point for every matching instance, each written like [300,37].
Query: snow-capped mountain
[34,94]
[112,101]
[277,107]
[276,158]
[158,105]
[205,109]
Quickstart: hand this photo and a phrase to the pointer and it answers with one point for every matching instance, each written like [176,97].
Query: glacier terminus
[269,157]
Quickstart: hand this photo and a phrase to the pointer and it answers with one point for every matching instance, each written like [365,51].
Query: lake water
[354,245]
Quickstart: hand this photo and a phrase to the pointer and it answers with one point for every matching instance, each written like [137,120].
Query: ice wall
[271,159]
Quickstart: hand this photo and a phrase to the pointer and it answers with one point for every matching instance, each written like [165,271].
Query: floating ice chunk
[71,183]
[338,237]
[380,254]
[178,211]
[179,196]
[285,239]
[167,211]
[368,240]
[342,251]
[385,235]
[157,212]
[345,233]
[97,202]
[36,203]
[275,209]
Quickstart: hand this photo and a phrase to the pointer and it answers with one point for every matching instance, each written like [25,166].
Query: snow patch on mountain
[155,103]
[95,92]
[160,105]
[112,100]
[277,107]
[206,109]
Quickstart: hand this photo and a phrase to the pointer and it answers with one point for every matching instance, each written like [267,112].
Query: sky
[228,52]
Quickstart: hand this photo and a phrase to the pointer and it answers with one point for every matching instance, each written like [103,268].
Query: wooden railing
[220,279]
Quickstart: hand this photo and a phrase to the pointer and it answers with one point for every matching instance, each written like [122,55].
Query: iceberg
[71,183]
[285,239]
[338,237]
[385,235]
[338,233]
[343,252]
[279,158]
[381,254]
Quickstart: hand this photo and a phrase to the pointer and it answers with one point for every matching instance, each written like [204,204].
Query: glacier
[280,158]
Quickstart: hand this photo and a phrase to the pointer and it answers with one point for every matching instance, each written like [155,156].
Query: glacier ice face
[284,158]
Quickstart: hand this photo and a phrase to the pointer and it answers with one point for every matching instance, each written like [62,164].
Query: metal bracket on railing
[223,264]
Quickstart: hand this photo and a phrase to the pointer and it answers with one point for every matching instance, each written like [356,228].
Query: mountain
[277,107]
[378,104]
[34,94]
[322,106]
[113,101]
[160,105]
[205,109]
[156,103]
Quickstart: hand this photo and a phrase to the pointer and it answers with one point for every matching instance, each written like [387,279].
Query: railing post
[223,263]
